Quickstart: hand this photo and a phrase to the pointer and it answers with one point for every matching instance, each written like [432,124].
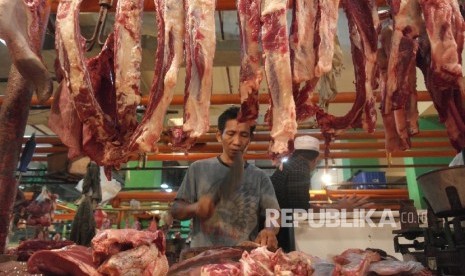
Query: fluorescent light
[169,190]
[164,186]
[284,159]
[2,41]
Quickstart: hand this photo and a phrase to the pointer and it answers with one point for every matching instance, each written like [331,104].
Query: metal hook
[97,36]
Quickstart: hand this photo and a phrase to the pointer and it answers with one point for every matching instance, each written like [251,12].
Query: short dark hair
[230,114]
[307,154]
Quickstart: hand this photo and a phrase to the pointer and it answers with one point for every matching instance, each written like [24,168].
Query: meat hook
[97,36]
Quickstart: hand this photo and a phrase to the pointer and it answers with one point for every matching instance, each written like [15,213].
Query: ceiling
[225,73]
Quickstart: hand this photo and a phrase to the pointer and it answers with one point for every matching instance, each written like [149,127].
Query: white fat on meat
[71,56]
[407,16]
[128,56]
[142,260]
[275,45]
[328,27]
[302,40]
[200,42]
[440,17]
[168,62]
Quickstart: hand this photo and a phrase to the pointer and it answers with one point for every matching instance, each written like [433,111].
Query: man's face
[235,138]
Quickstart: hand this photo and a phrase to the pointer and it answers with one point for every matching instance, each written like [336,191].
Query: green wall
[415,193]
[143,178]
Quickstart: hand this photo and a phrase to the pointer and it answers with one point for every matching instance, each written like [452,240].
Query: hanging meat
[439,58]
[18,35]
[312,43]
[275,43]
[169,56]
[69,45]
[31,17]
[128,56]
[199,43]
[399,95]
[248,13]
[363,27]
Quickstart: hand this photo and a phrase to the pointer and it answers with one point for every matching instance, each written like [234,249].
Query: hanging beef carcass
[128,56]
[248,13]
[32,16]
[169,56]
[199,43]
[275,44]
[78,78]
[439,58]
[399,95]
[312,43]
[363,27]
[91,83]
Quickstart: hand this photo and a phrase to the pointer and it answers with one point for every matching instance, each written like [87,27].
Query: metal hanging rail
[219,99]
[221,5]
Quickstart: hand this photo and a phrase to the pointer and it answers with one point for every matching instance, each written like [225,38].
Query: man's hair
[307,154]
[230,114]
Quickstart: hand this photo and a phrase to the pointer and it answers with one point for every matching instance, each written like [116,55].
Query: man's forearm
[182,210]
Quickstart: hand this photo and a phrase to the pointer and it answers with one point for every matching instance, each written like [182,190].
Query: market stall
[129,85]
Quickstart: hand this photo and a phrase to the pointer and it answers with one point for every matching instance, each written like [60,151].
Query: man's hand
[267,237]
[352,202]
[204,207]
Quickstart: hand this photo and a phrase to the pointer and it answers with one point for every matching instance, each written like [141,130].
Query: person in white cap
[292,183]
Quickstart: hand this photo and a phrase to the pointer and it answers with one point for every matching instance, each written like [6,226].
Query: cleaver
[230,184]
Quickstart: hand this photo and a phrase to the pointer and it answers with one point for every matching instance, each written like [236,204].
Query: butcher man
[232,219]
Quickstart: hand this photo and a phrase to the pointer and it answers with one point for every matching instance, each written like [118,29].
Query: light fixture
[284,159]
[326,178]
[168,190]
[3,41]
[164,186]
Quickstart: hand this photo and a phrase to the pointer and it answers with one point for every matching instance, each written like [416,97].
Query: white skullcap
[307,143]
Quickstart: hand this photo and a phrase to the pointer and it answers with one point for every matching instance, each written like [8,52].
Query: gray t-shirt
[235,220]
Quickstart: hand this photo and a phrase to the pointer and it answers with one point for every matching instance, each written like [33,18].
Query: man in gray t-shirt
[227,222]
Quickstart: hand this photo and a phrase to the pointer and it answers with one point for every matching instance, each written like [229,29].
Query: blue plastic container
[370,180]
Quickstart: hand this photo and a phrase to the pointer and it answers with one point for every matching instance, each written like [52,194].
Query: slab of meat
[199,43]
[214,256]
[128,56]
[404,45]
[399,105]
[312,43]
[14,111]
[248,12]
[76,74]
[23,41]
[141,260]
[363,27]
[29,247]
[392,267]
[392,139]
[275,44]
[170,35]
[439,58]
[354,262]
[64,122]
[302,40]
[111,241]
[327,31]
[73,260]
[228,269]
